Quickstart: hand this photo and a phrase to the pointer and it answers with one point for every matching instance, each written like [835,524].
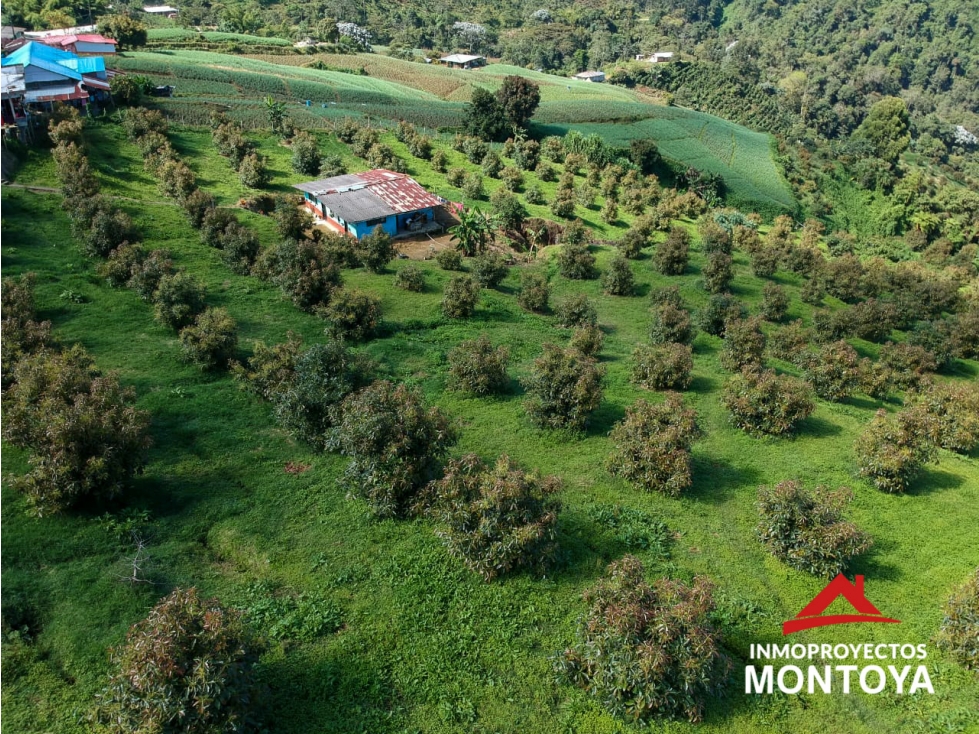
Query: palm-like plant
[472,233]
[276,112]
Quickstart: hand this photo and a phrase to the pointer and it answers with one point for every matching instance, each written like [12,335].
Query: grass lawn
[424,645]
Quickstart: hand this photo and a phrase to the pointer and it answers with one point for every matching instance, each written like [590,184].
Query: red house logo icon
[812,614]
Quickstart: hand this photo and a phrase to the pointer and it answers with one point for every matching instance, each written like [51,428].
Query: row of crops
[184,35]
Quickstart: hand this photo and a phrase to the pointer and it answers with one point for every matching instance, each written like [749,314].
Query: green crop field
[423,645]
[434,96]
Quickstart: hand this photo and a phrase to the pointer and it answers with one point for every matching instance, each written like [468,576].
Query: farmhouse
[167,10]
[356,203]
[53,75]
[82,44]
[463,61]
[660,57]
[591,76]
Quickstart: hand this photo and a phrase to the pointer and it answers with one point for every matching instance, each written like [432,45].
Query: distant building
[167,10]
[660,57]
[356,203]
[591,76]
[463,61]
[73,31]
[53,75]
[11,35]
[86,43]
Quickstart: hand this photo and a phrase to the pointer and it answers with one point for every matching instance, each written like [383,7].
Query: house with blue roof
[52,75]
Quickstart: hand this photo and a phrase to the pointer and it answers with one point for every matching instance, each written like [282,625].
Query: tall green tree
[519,99]
[886,128]
[485,118]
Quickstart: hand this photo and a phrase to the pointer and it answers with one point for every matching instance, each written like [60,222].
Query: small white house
[660,57]
[591,76]
[463,61]
[167,10]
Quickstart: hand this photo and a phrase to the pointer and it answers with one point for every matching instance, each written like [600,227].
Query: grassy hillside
[434,96]
[424,645]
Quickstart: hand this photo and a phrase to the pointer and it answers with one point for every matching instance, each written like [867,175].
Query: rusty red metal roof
[398,190]
[361,196]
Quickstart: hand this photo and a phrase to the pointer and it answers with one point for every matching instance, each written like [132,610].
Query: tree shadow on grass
[701,384]
[870,564]
[818,427]
[933,479]
[585,548]
[714,478]
[604,419]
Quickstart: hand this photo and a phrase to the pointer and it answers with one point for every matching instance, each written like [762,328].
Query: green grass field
[434,96]
[424,645]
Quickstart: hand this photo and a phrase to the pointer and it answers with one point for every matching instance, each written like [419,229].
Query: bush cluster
[744,344]
[577,311]
[806,530]
[663,367]
[672,254]
[960,624]
[352,314]
[496,519]
[489,269]
[892,449]
[588,340]
[762,402]
[460,297]
[212,340]
[618,280]
[670,324]
[647,651]
[535,292]
[652,445]
[410,278]
[833,371]
[449,260]
[576,262]
[479,368]
[563,388]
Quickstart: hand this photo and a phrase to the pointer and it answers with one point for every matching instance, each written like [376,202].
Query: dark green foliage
[508,213]
[485,117]
[718,272]
[806,530]
[353,314]
[876,379]
[960,624]
[305,155]
[762,402]
[410,278]
[764,261]
[518,98]
[789,341]
[955,410]
[587,339]
[291,220]
[127,31]
[479,368]
[147,272]
[212,341]
[535,292]
[21,333]
[270,370]
[197,205]
[376,250]
[843,278]
[394,443]
[577,311]
[965,340]
[460,297]
[176,180]
[239,248]
[574,261]
[472,186]
[86,440]
[892,449]
[512,178]
[909,363]
[647,651]
[213,224]
[632,243]
[475,149]
[307,389]
[618,280]
[449,260]
[253,171]
[672,254]
[526,154]
[652,445]
[496,519]
[564,387]
[188,667]
[872,320]
[713,238]
[671,323]
[292,617]
[489,269]
[936,337]
[663,367]
[833,372]
[304,271]
[775,302]
[473,232]
[744,344]
[721,308]
[886,128]
[177,300]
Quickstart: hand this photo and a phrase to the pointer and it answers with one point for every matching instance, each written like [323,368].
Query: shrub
[394,443]
[197,204]
[307,389]
[305,155]
[775,302]
[764,261]
[720,310]
[270,370]
[892,449]
[147,273]
[575,262]
[21,334]
[876,379]
[304,270]
[176,180]
[663,367]
[960,624]
[213,224]
[936,337]
[744,344]
[410,278]
[618,280]
[239,248]
[833,372]
[440,161]
[212,341]
[489,269]
[456,176]
[535,292]
[534,194]
[479,368]
[652,445]
[376,250]
[965,342]
[806,529]
[460,297]
[564,386]
[714,238]
[872,320]
[495,519]
[119,266]
[449,260]
[647,651]
[577,311]
[632,243]
[512,178]
[85,437]
[718,272]
[291,220]
[353,314]
[563,207]
[789,341]
[177,300]
[472,186]
[587,339]
[672,254]
[508,213]
[574,233]
[671,323]
[762,402]
[908,362]
[188,667]
[955,409]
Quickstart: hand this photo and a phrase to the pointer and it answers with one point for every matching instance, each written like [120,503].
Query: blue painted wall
[392,225]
